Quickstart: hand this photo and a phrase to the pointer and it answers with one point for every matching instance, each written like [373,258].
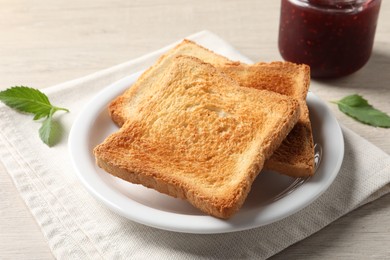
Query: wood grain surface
[43,43]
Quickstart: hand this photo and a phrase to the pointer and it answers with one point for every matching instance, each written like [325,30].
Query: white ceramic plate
[273,196]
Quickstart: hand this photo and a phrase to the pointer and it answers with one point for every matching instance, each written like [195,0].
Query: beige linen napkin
[76,226]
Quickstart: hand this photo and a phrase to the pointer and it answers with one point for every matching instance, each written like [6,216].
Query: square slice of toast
[295,157]
[199,136]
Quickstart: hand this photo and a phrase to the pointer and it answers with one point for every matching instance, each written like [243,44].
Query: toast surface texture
[295,157]
[199,136]
[125,105]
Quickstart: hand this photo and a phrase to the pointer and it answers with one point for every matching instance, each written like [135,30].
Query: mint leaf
[358,108]
[28,100]
[33,101]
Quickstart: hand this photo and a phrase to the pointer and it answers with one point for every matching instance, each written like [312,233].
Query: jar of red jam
[333,37]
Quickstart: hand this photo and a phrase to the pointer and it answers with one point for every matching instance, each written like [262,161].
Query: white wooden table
[43,43]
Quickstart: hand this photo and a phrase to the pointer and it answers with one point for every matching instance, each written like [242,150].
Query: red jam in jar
[333,37]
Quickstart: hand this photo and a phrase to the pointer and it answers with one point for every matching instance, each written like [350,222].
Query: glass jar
[333,37]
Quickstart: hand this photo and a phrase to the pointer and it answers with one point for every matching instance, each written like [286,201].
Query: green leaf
[358,108]
[28,100]
[50,131]
[33,101]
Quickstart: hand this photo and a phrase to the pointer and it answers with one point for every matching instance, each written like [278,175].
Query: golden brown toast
[295,157]
[199,135]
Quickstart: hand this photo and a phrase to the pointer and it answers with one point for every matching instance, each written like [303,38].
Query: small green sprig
[32,101]
[358,108]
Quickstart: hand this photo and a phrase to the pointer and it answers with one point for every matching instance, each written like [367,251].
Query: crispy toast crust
[200,137]
[125,105]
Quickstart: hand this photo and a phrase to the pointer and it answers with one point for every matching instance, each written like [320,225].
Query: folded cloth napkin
[76,226]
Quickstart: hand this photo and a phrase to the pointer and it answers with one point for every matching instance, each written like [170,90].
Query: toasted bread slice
[199,136]
[295,157]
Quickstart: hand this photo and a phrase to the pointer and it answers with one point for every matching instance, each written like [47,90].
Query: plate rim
[200,224]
